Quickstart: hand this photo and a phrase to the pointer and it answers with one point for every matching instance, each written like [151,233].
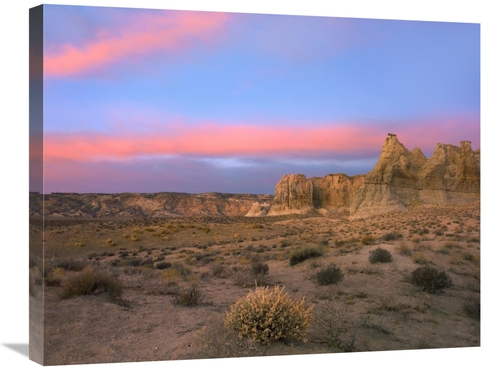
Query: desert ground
[180,276]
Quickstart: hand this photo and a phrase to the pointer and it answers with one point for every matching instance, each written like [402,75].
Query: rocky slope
[143,205]
[399,179]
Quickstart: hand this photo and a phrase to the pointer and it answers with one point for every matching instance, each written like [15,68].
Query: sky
[142,100]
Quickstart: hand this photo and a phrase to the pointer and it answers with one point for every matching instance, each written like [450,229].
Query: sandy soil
[373,308]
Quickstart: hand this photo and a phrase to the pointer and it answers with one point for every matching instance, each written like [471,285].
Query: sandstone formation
[143,205]
[400,179]
[258,210]
[295,194]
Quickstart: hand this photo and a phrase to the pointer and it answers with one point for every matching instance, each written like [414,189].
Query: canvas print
[220,185]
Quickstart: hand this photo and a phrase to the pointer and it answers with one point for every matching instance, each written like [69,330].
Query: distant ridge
[164,204]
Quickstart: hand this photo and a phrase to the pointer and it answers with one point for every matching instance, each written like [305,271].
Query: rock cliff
[399,179]
[295,194]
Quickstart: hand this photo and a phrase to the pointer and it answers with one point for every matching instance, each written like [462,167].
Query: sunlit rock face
[400,179]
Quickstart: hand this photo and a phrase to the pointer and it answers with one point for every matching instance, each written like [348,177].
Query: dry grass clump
[404,250]
[91,281]
[368,240]
[334,326]
[472,306]
[71,265]
[299,255]
[269,315]
[110,242]
[188,297]
[420,258]
[256,275]
[55,277]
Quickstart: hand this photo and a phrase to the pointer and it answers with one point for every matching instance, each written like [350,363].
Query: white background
[14,179]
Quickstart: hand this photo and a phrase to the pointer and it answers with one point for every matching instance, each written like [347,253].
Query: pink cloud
[166,31]
[211,140]
[130,161]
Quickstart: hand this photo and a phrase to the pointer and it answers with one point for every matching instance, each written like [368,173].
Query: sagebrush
[269,315]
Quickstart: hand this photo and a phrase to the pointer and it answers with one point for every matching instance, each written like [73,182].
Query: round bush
[268,315]
[259,268]
[430,279]
[330,275]
[380,255]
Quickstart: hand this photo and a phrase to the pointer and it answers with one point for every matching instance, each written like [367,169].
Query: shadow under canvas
[22,348]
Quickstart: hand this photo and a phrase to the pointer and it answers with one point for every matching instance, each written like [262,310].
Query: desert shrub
[423,231]
[36,275]
[54,277]
[416,239]
[329,275]
[188,297]
[33,262]
[301,254]
[148,262]
[392,236]
[92,255]
[472,307]
[367,240]
[339,243]
[163,265]
[467,256]
[334,325]
[404,250]
[380,255]
[420,258]
[219,270]
[110,242]
[90,281]
[160,257]
[430,279]
[256,275]
[71,265]
[269,315]
[259,268]
[134,262]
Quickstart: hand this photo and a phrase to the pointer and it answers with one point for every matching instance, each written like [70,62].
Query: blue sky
[148,101]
